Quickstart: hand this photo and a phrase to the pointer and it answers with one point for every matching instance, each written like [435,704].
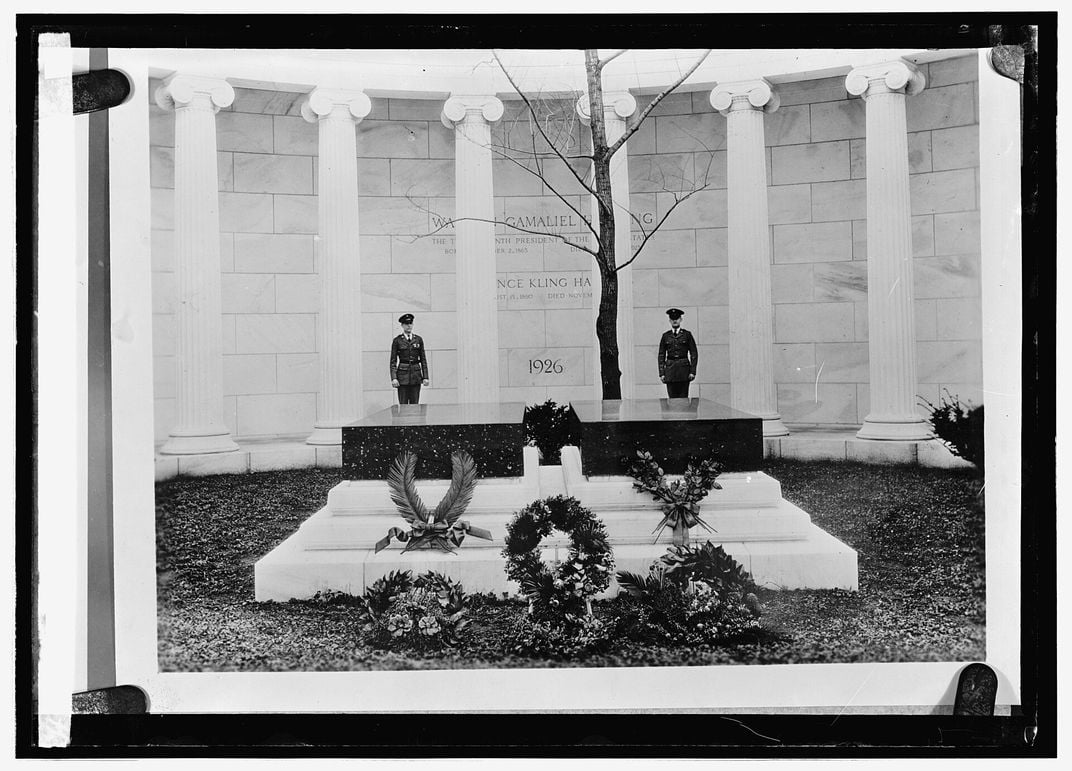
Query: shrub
[959,426]
[550,426]
[692,596]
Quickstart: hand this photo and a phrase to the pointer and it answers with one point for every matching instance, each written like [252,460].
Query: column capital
[180,90]
[621,104]
[458,106]
[756,94]
[885,78]
[322,102]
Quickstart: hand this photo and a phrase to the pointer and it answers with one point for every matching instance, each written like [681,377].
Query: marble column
[744,104]
[474,233]
[617,107]
[199,404]
[890,309]
[340,399]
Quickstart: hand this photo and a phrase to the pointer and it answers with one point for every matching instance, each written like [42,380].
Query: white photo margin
[827,687]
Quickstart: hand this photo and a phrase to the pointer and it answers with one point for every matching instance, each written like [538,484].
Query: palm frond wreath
[441,528]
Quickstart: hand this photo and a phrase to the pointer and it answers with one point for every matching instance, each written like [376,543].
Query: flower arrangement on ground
[681,498]
[423,614]
[443,528]
[691,596]
[560,620]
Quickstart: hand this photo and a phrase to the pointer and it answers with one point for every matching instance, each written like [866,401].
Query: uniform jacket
[677,355]
[409,366]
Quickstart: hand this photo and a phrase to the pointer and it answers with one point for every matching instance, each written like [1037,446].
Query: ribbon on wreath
[682,516]
[433,535]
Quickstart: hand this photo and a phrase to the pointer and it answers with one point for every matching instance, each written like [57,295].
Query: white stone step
[738,489]
[290,571]
[347,530]
[374,497]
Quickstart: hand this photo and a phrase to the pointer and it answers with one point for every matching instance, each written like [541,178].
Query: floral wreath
[680,499]
[585,573]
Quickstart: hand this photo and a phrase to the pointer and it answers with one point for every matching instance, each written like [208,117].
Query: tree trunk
[607,320]
[607,335]
[610,374]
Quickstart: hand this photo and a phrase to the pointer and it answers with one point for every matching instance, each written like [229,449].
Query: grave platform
[493,433]
[674,431]
[806,443]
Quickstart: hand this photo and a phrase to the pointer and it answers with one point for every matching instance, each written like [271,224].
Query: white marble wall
[816,195]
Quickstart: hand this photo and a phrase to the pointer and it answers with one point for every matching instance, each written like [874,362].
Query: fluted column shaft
[617,107]
[890,308]
[199,389]
[474,229]
[340,399]
[751,326]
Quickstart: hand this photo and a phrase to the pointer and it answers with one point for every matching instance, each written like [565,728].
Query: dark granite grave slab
[672,430]
[492,433]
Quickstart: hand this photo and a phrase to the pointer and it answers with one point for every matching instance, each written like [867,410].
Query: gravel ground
[918,533]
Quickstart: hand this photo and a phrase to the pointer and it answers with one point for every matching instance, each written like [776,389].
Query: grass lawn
[918,535]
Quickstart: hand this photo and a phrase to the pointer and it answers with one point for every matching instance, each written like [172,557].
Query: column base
[198,444]
[325,435]
[772,421]
[907,430]
[773,426]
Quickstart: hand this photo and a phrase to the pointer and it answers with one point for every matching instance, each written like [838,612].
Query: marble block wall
[267,162]
[817,197]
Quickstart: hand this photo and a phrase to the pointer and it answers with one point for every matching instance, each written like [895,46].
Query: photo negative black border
[1029,732]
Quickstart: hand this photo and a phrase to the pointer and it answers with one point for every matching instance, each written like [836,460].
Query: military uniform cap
[675,313]
[405,318]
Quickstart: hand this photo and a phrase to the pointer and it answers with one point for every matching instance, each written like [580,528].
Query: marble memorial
[772,538]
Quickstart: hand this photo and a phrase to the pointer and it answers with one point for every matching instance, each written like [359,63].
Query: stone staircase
[333,550]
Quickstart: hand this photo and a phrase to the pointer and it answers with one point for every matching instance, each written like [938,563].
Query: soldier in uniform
[677,357]
[409,366]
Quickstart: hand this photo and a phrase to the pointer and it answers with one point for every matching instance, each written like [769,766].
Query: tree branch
[635,218]
[499,149]
[654,230]
[536,120]
[604,62]
[540,175]
[659,97]
[447,222]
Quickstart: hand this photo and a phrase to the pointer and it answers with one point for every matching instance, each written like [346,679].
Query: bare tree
[551,141]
